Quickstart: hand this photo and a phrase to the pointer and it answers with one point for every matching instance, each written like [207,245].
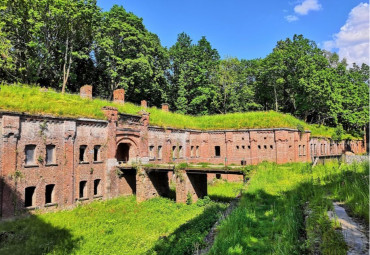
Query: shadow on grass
[29,234]
[189,236]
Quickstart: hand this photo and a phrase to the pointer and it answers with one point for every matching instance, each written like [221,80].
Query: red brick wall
[253,146]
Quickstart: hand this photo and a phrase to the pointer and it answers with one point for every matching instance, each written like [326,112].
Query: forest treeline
[65,44]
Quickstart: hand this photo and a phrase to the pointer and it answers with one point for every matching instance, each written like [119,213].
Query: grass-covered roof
[33,100]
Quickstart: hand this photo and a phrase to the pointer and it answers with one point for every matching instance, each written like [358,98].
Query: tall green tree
[47,37]
[130,57]
[234,90]
[191,69]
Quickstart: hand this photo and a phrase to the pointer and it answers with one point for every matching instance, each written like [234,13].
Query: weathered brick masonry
[48,162]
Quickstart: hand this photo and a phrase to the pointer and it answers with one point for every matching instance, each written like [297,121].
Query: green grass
[271,216]
[32,100]
[117,226]
[221,190]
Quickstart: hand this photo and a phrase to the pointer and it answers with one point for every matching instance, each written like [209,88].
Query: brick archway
[126,151]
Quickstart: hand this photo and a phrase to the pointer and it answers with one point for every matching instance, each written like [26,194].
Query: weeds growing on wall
[35,101]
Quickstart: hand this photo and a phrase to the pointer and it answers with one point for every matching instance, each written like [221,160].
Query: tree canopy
[65,44]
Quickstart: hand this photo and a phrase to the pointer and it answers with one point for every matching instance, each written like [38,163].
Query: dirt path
[352,231]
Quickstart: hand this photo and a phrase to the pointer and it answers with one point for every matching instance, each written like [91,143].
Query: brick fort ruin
[48,162]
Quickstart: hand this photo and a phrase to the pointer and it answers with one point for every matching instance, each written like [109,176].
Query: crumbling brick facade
[48,162]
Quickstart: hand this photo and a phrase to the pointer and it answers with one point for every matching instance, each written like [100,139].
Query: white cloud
[306,6]
[352,41]
[291,18]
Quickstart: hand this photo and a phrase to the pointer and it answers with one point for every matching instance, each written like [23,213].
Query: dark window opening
[82,153]
[242,138]
[265,137]
[49,193]
[83,188]
[218,176]
[173,151]
[197,151]
[243,147]
[191,151]
[159,152]
[29,196]
[123,152]
[271,147]
[30,154]
[237,147]
[97,188]
[181,152]
[50,154]
[259,147]
[265,147]
[97,153]
[217,151]
[249,147]
[151,151]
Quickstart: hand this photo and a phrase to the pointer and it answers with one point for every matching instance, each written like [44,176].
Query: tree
[47,36]
[130,57]
[191,87]
[234,86]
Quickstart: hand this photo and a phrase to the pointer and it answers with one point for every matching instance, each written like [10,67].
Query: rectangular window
[50,154]
[49,194]
[304,150]
[265,147]
[243,147]
[97,188]
[181,152]
[83,189]
[97,153]
[197,151]
[159,152]
[30,154]
[29,199]
[173,151]
[271,146]
[217,151]
[151,152]
[299,150]
[82,153]
[249,147]
[192,151]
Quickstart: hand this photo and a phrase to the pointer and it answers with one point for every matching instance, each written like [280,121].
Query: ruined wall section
[40,161]
[90,154]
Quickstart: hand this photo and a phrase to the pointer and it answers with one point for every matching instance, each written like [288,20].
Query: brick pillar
[8,192]
[165,107]
[281,141]
[149,185]
[144,104]
[119,96]
[70,192]
[111,181]
[255,152]
[193,184]
[86,91]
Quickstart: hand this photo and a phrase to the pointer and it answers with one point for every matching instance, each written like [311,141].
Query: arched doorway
[123,152]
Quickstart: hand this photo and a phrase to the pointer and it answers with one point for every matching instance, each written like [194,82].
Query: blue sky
[250,29]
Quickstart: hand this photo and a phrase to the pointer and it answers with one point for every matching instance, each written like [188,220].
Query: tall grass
[117,226]
[284,210]
[22,98]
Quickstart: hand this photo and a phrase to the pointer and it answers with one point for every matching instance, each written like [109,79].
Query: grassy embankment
[118,226]
[32,100]
[271,216]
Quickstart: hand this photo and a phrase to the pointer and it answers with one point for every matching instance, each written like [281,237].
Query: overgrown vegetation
[35,101]
[271,216]
[117,226]
[65,44]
